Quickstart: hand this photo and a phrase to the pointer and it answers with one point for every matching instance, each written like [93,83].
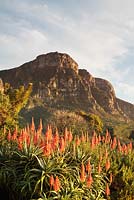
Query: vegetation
[95,123]
[77,122]
[122,129]
[66,119]
[11,103]
[75,157]
[34,165]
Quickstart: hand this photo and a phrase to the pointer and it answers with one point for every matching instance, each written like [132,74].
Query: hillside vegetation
[67,155]
[48,165]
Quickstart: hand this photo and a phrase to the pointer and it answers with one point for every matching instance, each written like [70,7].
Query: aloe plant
[34,165]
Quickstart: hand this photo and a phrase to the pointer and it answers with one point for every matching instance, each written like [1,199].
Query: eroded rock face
[104,94]
[127,108]
[43,68]
[58,81]
[56,59]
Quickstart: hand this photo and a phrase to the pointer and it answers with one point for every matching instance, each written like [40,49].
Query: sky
[97,34]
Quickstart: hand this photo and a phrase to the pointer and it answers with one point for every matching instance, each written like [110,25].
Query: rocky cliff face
[126,107]
[104,94]
[57,81]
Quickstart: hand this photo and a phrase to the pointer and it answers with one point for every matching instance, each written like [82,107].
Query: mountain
[59,83]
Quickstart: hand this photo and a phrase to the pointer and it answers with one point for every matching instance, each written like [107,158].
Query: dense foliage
[77,122]
[47,166]
[66,119]
[11,102]
[95,122]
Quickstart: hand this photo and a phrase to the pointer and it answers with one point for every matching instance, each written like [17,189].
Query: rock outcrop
[104,94]
[126,107]
[57,81]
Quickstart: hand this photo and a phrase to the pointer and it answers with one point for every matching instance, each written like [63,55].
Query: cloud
[126,90]
[27,45]
[88,38]
[97,34]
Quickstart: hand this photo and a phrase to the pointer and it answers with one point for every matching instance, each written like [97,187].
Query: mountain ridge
[58,81]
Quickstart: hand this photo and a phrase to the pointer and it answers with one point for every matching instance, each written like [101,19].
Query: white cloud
[18,50]
[98,40]
[92,42]
[126,90]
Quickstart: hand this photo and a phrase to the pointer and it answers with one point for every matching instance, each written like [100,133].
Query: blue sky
[97,34]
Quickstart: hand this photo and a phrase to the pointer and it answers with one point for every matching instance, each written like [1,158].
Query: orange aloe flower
[96,140]
[119,146]
[88,166]
[70,136]
[82,173]
[107,164]
[55,141]
[106,153]
[47,149]
[48,134]
[114,143]
[103,139]
[9,136]
[92,142]
[66,135]
[130,146]
[100,157]
[77,141]
[89,180]
[124,149]
[56,185]
[99,138]
[111,177]
[32,125]
[28,140]
[107,191]
[107,137]
[20,146]
[83,138]
[14,136]
[62,144]
[35,139]
[40,127]
[51,181]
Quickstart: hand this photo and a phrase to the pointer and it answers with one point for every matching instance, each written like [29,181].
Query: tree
[68,119]
[95,122]
[11,102]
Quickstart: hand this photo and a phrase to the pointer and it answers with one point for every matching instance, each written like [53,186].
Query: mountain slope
[58,82]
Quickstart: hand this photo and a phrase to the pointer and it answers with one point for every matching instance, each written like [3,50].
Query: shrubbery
[46,166]
[77,122]
[11,102]
[72,160]
[66,119]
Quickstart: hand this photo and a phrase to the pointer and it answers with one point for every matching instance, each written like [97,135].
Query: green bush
[11,102]
[94,121]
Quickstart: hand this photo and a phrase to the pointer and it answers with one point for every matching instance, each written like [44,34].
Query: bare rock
[57,81]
